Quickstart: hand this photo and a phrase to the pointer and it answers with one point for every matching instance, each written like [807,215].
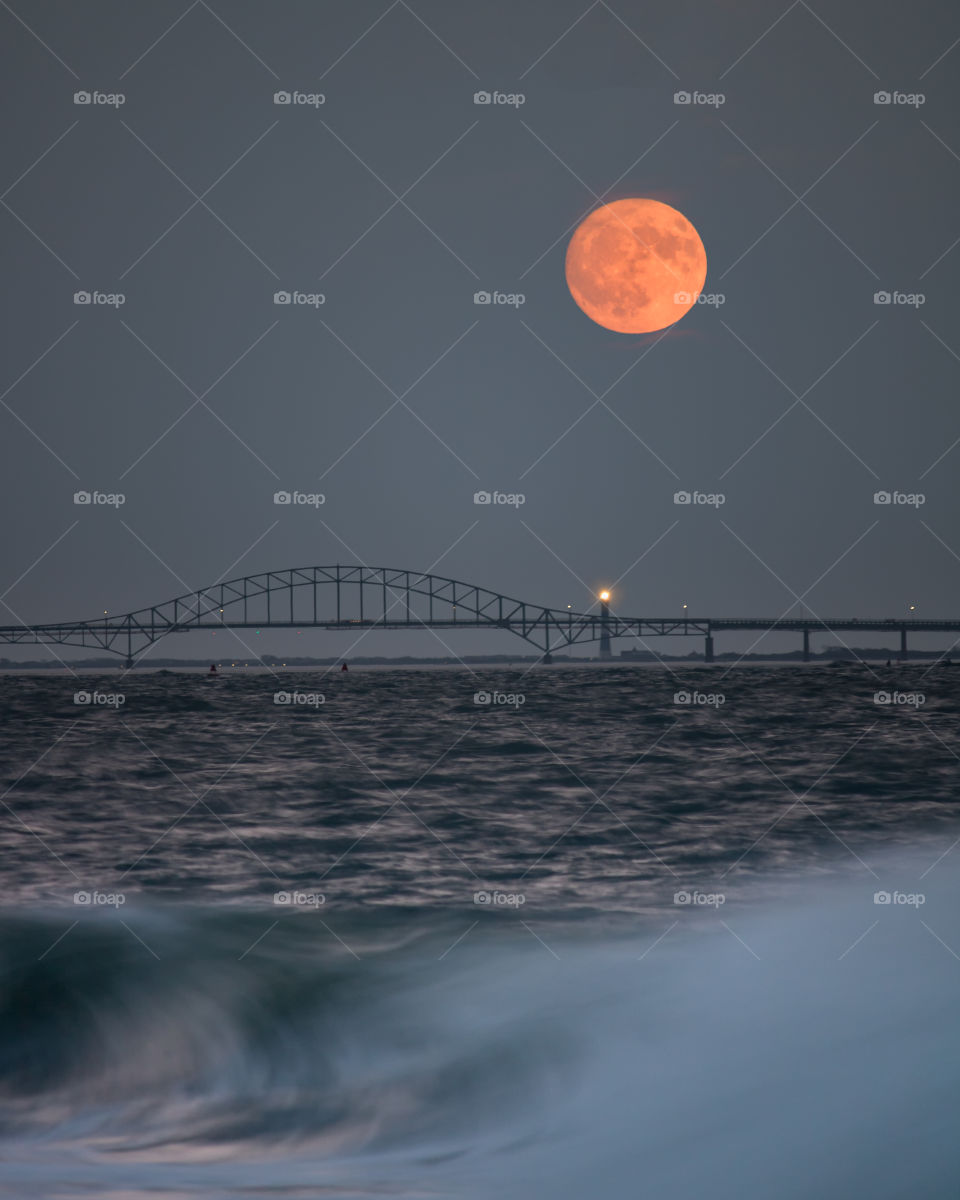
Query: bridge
[356,598]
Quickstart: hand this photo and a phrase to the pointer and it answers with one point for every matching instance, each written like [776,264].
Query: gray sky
[397,199]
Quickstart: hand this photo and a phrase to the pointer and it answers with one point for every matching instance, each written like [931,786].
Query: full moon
[635,265]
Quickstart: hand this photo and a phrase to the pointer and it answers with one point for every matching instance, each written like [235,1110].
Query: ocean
[514,932]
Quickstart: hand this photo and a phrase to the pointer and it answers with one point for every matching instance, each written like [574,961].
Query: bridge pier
[806,645]
[129,664]
[708,648]
[547,658]
[903,643]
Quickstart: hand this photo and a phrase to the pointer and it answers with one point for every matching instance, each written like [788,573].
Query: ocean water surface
[505,933]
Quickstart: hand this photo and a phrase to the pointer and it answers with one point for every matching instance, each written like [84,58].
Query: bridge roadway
[394,598]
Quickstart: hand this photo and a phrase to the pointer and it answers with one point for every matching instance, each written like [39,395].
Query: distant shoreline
[631,658]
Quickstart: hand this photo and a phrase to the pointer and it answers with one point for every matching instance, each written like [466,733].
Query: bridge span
[356,598]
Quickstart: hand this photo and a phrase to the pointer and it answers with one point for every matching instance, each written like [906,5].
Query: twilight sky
[398,198]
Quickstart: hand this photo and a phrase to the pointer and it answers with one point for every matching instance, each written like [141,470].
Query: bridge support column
[806,645]
[605,632]
[708,648]
[547,658]
[129,664]
[903,643]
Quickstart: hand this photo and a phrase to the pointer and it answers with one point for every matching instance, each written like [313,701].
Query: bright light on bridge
[604,596]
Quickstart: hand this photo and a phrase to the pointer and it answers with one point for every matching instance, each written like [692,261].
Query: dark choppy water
[399,943]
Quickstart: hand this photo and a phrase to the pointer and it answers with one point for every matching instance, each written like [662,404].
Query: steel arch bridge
[355,598]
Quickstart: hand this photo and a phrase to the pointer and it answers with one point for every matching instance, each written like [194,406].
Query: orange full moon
[635,265]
